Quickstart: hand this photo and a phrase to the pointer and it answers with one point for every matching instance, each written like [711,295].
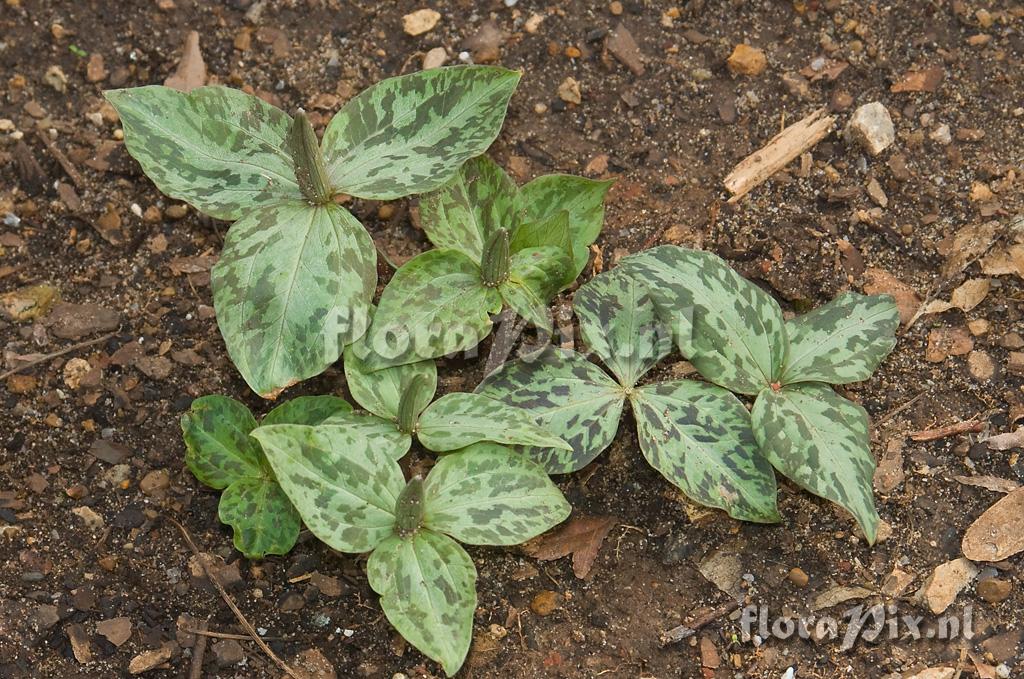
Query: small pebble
[798,577]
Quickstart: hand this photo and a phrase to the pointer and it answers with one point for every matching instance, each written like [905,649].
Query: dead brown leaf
[197,264]
[837,595]
[880,281]
[582,537]
[1004,262]
[996,534]
[968,244]
[993,483]
[1011,439]
[191,71]
[967,296]
[945,342]
[926,80]
[829,70]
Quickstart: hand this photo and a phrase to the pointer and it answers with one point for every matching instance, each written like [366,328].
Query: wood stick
[63,160]
[203,632]
[199,652]
[950,430]
[246,625]
[681,632]
[47,357]
[783,148]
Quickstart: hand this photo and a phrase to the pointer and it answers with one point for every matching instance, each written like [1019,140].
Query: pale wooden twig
[950,430]
[777,153]
[246,625]
[199,652]
[47,357]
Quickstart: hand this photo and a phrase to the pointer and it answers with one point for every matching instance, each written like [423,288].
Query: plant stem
[494,264]
[407,404]
[307,160]
[409,507]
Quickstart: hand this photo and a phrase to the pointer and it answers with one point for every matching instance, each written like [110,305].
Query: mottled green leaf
[219,149]
[435,305]
[553,230]
[568,396]
[841,342]
[727,327]
[309,410]
[343,487]
[221,454]
[583,199]
[380,391]
[535,275]
[619,322]
[699,437]
[218,449]
[488,495]
[291,289]
[468,208]
[427,587]
[382,434]
[261,516]
[819,440]
[457,420]
[410,134]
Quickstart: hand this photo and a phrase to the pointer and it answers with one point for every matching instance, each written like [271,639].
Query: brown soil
[670,136]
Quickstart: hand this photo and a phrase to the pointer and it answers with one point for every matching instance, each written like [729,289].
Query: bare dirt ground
[92,459]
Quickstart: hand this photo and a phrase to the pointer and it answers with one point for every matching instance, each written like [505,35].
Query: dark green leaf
[698,436]
[410,134]
[219,450]
[219,149]
[841,342]
[261,516]
[221,454]
[619,322]
[728,328]
[291,289]
[427,587]
[488,495]
[819,440]
[568,396]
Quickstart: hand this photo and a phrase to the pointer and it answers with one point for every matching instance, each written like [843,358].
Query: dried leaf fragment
[582,537]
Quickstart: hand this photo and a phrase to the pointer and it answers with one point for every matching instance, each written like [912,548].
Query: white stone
[871,127]
[941,134]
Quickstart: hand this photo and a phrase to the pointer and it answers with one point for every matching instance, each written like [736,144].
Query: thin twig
[199,652]
[681,632]
[47,357]
[950,430]
[897,410]
[59,156]
[246,625]
[203,632]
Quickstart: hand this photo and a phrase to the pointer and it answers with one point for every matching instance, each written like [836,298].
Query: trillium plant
[221,453]
[699,435]
[297,274]
[353,496]
[497,245]
[293,291]
[399,403]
